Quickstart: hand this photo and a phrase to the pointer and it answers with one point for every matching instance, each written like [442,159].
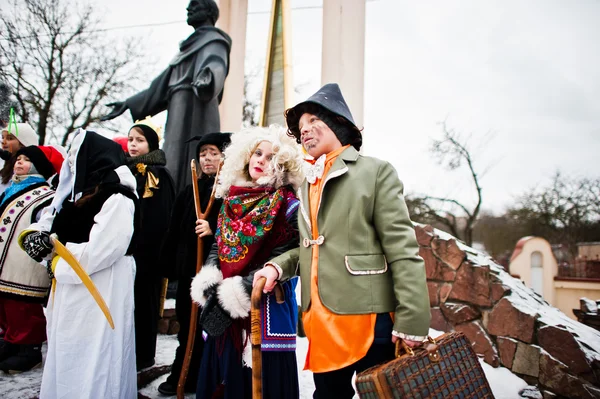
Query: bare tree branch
[60,66]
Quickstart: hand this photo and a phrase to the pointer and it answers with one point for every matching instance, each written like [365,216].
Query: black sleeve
[213,256]
[173,234]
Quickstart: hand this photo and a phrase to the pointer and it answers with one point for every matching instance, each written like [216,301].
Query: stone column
[232,19]
[343,59]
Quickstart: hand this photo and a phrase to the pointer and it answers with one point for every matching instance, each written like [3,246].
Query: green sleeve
[397,236]
[288,262]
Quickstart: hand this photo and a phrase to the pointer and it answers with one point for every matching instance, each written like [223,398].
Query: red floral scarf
[248,217]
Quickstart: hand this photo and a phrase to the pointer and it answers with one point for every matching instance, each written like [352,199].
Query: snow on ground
[504,384]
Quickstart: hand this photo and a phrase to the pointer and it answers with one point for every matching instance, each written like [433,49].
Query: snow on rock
[508,323]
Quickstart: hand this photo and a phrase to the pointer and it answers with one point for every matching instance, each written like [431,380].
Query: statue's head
[202,12]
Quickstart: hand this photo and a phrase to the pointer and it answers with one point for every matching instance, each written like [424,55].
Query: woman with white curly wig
[258,221]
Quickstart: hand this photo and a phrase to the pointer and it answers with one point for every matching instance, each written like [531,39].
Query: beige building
[588,250]
[534,263]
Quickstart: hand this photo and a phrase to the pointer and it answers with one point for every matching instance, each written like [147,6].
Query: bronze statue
[190,89]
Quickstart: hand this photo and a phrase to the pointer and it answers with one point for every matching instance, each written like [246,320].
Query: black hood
[97,159]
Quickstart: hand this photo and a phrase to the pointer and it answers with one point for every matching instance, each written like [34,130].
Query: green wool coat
[368,260]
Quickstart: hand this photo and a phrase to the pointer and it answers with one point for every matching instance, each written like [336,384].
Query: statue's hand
[118,108]
[203,85]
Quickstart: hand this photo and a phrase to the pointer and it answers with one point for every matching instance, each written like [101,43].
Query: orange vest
[334,341]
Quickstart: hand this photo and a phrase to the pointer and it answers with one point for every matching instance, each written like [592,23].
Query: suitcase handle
[429,345]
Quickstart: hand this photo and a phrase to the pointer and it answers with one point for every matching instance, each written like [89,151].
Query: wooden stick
[199,263]
[255,332]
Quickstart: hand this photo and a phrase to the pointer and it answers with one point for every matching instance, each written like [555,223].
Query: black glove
[38,245]
[213,318]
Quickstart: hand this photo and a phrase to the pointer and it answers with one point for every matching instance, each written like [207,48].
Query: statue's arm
[211,70]
[152,100]
[147,102]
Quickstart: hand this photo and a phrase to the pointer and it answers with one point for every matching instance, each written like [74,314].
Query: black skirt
[222,375]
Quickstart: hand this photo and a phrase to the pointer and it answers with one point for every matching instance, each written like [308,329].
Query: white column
[343,59]
[232,19]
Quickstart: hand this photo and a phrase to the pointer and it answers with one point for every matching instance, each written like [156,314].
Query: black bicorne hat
[329,97]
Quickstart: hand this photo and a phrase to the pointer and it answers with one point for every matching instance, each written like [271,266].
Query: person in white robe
[93,214]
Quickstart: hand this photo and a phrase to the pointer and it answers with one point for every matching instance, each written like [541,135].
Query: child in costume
[93,214]
[359,259]
[156,193]
[24,283]
[258,220]
[180,248]
[13,139]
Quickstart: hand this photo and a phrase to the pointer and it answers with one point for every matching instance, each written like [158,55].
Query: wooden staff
[199,261]
[255,332]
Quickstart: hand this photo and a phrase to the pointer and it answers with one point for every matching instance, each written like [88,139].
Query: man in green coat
[363,282]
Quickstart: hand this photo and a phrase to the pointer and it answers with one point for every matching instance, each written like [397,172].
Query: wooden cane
[255,332]
[199,261]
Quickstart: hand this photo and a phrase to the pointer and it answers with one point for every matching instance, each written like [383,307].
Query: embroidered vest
[20,276]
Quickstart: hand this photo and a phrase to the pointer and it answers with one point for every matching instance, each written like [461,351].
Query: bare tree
[566,211]
[61,66]
[451,151]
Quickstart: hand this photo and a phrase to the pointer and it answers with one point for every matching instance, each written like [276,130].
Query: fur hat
[24,133]
[327,104]
[286,164]
[46,160]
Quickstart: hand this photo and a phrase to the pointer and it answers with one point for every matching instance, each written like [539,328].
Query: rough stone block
[448,252]
[445,290]
[498,291]
[438,322]
[554,376]
[507,348]
[507,321]
[459,313]
[527,360]
[432,288]
[482,344]
[424,235]
[472,285]
[561,344]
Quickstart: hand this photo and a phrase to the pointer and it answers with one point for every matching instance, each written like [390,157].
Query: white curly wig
[285,166]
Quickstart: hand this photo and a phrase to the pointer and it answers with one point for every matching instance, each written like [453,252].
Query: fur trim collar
[156,157]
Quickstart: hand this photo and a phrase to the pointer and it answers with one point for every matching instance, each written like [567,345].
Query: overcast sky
[527,71]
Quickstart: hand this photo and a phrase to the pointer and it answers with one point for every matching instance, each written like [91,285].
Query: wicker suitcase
[443,368]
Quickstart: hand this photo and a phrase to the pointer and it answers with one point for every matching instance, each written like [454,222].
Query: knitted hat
[24,133]
[46,160]
[151,132]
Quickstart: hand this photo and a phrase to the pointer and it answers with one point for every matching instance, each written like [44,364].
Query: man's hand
[409,343]
[271,274]
[118,108]
[203,228]
[38,245]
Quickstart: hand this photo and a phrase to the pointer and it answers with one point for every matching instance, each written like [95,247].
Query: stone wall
[508,324]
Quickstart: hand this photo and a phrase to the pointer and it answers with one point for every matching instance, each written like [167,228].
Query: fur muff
[209,275]
[285,166]
[234,298]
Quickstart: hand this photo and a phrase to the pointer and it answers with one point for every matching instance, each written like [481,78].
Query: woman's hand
[203,228]
[270,273]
